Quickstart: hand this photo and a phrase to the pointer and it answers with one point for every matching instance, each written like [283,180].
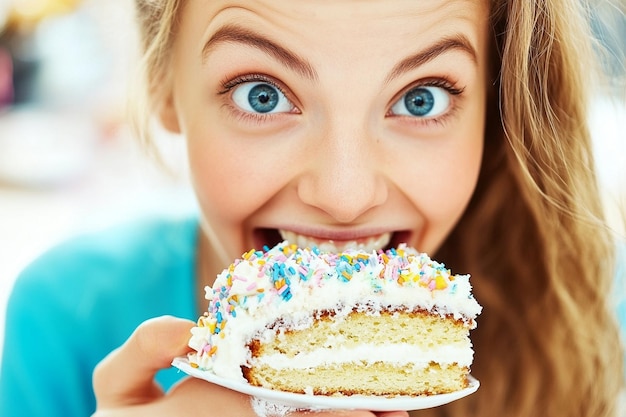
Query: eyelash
[228,84]
[443,83]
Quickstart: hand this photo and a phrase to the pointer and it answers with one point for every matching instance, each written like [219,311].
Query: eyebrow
[238,34]
[458,42]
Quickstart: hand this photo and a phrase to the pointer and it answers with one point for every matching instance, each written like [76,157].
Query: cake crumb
[265,408]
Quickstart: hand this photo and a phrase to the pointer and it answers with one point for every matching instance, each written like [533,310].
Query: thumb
[126,376]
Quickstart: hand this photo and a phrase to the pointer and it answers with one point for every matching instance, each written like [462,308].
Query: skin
[337,164]
[124,386]
[338,160]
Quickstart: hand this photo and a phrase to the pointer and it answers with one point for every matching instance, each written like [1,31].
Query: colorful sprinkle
[271,276]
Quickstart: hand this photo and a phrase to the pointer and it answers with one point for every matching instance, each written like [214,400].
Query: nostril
[344,198]
[343,175]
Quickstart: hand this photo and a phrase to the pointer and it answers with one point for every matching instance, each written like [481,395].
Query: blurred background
[69,164]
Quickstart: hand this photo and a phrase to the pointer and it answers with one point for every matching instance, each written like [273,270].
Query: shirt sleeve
[43,372]
[82,299]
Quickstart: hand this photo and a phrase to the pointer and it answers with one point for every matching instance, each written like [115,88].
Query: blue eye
[260,97]
[423,101]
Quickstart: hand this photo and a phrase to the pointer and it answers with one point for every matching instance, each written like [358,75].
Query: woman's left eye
[261,97]
[422,101]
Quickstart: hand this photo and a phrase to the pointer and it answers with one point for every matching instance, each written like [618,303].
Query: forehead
[333,22]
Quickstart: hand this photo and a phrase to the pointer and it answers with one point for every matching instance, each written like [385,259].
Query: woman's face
[332,123]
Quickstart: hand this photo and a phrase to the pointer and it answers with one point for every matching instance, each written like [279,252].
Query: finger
[335,413]
[356,413]
[191,395]
[126,375]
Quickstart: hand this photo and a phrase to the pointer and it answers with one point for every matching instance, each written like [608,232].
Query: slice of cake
[380,323]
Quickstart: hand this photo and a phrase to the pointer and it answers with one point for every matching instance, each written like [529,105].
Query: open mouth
[384,241]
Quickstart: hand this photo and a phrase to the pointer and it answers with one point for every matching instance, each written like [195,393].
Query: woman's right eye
[261,97]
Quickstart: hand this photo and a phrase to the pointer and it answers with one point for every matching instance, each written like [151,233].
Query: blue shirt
[81,300]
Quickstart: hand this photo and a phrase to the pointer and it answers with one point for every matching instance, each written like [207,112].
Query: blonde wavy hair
[533,236]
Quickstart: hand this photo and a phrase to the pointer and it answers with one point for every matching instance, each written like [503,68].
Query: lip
[271,236]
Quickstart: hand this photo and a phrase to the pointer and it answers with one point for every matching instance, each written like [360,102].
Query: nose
[344,178]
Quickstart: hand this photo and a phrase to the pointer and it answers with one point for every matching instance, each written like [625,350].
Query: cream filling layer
[402,354]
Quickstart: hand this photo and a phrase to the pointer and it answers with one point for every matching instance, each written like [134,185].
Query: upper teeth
[367,245]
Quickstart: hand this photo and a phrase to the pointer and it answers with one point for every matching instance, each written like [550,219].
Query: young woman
[456,126]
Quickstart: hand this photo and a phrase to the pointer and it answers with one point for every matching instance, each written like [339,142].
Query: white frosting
[290,285]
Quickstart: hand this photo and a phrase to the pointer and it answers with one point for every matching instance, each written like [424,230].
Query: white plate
[323,402]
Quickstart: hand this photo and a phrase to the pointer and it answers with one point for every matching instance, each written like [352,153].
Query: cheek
[445,183]
[220,179]
[231,181]
[457,181]
[462,157]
